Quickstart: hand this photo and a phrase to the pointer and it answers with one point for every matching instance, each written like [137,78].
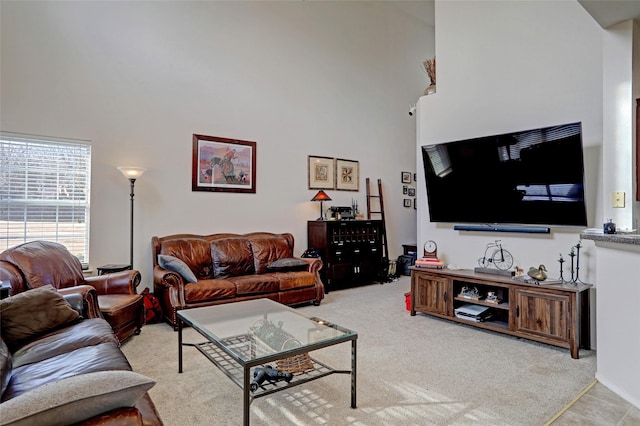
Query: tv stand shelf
[556,314]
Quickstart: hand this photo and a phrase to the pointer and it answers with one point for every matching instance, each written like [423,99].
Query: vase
[431,89]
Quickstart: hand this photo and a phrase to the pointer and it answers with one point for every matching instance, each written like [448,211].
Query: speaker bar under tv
[501,228]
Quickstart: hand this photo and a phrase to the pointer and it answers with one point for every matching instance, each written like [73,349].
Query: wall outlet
[617,200]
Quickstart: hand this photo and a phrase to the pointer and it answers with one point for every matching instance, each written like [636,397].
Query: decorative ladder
[384,273]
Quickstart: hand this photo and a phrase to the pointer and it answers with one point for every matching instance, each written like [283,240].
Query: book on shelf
[425,262]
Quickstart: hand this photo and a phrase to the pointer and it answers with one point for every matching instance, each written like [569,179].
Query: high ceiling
[611,12]
[605,12]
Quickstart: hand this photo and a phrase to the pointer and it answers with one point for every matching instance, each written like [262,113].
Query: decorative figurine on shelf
[470,293]
[519,271]
[538,273]
[561,261]
[492,297]
[575,253]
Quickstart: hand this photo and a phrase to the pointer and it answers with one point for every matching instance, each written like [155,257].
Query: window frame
[48,181]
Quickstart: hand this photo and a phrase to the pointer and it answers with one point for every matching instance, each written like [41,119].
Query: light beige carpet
[411,371]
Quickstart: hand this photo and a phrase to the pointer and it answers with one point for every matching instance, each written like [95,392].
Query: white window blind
[44,192]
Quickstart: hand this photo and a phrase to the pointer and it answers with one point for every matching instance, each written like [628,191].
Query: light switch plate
[617,200]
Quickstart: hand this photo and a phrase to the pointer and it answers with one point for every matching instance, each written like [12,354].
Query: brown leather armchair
[39,263]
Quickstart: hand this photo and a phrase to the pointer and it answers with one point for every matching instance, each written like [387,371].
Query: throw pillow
[176,265]
[33,313]
[288,264]
[75,399]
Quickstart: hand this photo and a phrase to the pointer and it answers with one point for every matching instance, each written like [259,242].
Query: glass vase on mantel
[430,90]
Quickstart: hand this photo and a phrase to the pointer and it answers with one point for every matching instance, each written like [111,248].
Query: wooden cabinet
[543,315]
[556,314]
[431,293]
[351,251]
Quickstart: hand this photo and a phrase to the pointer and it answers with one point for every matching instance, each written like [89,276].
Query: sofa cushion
[88,332]
[268,250]
[195,252]
[32,313]
[293,280]
[288,264]
[205,290]
[75,399]
[174,264]
[102,357]
[6,364]
[255,284]
[231,257]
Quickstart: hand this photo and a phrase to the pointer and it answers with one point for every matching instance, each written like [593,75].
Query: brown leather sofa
[230,268]
[72,372]
[38,263]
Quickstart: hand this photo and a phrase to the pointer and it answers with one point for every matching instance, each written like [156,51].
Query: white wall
[618,122]
[618,265]
[509,66]
[137,79]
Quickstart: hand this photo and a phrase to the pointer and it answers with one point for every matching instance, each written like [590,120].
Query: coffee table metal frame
[238,368]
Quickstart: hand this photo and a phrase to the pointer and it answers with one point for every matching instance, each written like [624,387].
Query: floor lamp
[131,173]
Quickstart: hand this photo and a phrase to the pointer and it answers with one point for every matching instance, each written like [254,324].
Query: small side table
[409,249]
[107,269]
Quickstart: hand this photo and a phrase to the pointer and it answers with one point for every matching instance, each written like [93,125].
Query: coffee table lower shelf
[239,374]
[235,372]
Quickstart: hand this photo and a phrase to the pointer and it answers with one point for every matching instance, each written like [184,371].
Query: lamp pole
[131,173]
[133,183]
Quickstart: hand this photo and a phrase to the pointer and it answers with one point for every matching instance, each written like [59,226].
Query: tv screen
[532,177]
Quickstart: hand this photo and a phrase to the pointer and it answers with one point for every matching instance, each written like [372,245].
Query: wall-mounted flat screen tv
[532,177]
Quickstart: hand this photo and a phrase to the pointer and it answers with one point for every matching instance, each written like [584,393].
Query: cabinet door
[544,315]
[432,294]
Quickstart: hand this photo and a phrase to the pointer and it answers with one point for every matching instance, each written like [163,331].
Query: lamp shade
[321,196]
[131,172]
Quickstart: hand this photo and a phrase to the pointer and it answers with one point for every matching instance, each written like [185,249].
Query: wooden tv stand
[556,314]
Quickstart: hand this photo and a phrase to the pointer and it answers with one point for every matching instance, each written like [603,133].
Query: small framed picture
[415,203]
[404,189]
[411,192]
[321,172]
[406,177]
[407,202]
[415,177]
[347,175]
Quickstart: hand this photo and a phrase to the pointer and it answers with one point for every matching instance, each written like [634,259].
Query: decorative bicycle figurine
[500,258]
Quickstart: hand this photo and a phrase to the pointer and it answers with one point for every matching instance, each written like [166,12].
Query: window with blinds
[44,192]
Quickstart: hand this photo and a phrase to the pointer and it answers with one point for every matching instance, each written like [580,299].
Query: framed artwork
[407,202]
[405,188]
[406,177]
[347,175]
[415,204]
[321,172]
[411,192]
[223,165]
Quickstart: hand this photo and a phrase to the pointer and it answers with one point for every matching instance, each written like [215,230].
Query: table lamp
[321,196]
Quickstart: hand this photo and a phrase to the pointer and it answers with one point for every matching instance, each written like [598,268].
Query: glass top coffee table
[253,334]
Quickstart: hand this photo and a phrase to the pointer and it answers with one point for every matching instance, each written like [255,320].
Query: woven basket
[295,364]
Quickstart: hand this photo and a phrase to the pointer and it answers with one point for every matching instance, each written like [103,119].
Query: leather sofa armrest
[314,263]
[124,282]
[12,275]
[165,278]
[90,308]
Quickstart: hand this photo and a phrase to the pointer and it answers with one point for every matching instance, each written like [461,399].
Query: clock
[430,249]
